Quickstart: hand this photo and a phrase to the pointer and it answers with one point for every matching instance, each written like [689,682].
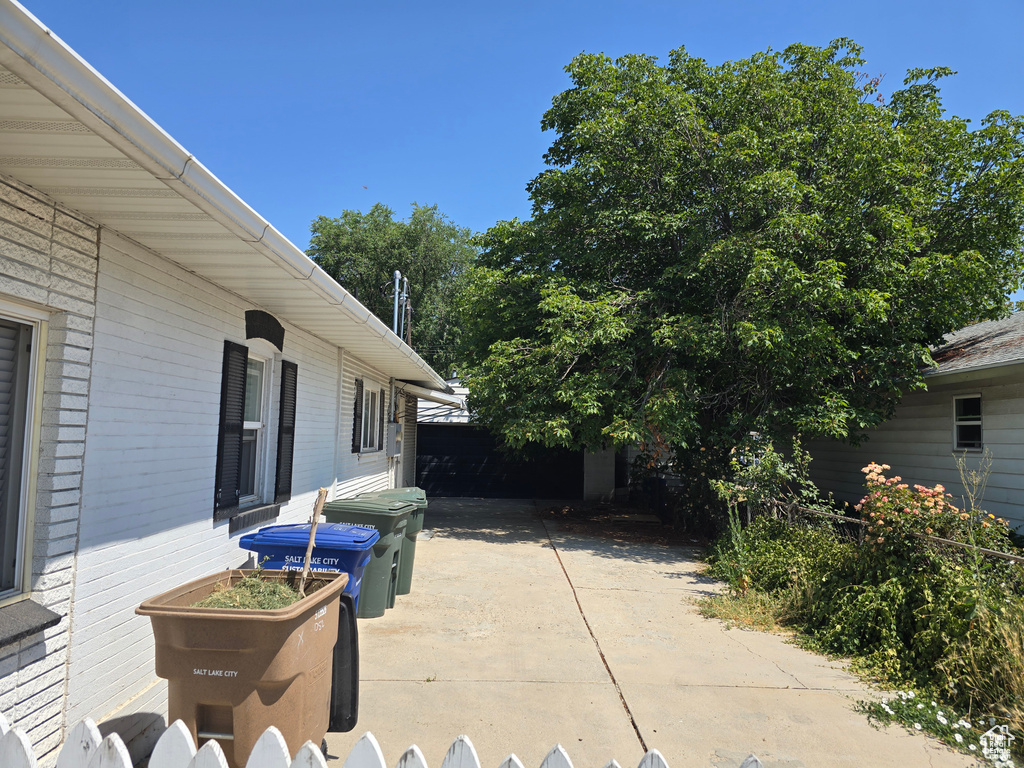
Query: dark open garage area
[465,460]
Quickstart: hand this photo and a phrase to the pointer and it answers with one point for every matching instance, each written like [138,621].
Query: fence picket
[461,754]
[653,759]
[111,753]
[16,750]
[80,744]
[174,749]
[309,756]
[210,755]
[511,762]
[365,754]
[556,758]
[413,758]
[83,748]
[270,751]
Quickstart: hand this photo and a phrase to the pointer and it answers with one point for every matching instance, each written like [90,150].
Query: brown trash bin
[231,674]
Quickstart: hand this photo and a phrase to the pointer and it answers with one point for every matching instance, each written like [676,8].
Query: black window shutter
[357,420]
[286,431]
[380,422]
[229,438]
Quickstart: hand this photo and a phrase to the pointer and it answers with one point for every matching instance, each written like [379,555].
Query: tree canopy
[764,246]
[362,251]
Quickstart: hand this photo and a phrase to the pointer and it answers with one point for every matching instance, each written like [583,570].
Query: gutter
[44,61]
[449,399]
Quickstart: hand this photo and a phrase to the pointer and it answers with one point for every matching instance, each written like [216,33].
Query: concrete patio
[522,637]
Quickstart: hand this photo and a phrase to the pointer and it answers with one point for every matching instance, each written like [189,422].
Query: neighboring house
[172,372]
[974,402]
[456,457]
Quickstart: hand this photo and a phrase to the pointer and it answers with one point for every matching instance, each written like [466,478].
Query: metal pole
[394,321]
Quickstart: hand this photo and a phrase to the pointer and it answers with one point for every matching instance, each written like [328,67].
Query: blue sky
[313,106]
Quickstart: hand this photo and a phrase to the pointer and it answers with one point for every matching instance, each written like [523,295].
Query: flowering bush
[892,510]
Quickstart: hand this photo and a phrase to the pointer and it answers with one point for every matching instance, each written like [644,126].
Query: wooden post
[317,509]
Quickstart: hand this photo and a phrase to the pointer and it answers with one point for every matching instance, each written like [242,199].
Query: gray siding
[918,442]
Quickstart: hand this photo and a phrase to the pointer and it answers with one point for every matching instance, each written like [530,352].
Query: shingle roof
[982,345]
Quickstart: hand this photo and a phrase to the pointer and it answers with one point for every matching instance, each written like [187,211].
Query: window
[368,418]
[18,365]
[967,422]
[243,453]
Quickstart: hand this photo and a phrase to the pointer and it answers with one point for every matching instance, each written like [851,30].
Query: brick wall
[48,260]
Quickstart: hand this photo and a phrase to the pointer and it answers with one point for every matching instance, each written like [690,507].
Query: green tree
[763,246]
[362,251]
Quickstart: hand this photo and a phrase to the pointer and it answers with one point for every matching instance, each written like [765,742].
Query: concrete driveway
[521,637]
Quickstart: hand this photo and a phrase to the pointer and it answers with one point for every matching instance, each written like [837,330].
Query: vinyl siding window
[368,418]
[967,423]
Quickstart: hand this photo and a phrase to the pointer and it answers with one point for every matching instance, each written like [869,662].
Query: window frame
[369,411]
[38,321]
[261,491]
[968,421]
[272,483]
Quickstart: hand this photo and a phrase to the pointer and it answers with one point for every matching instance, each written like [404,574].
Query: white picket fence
[85,748]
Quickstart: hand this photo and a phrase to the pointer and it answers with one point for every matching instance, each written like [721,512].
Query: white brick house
[172,372]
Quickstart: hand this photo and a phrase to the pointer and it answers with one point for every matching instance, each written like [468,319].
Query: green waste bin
[415,496]
[389,517]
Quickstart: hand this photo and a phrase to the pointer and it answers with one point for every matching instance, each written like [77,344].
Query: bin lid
[414,495]
[328,536]
[378,506]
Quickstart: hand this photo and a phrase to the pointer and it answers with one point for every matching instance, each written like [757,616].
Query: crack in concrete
[765,658]
[579,607]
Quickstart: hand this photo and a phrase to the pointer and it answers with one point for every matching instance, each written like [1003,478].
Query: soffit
[102,176]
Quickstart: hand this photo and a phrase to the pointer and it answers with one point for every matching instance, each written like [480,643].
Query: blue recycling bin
[338,547]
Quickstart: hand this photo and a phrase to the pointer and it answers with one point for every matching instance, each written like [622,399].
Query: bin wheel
[323,747]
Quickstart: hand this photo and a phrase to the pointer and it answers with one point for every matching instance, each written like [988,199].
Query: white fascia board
[49,65]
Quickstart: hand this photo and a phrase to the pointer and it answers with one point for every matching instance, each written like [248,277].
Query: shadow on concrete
[516,521]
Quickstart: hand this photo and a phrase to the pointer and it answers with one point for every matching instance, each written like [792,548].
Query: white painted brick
[8,664]
[8,702]
[66,401]
[69,287]
[56,514]
[73,322]
[25,202]
[74,242]
[61,450]
[22,218]
[36,246]
[71,386]
[60,254]
[51,547]
[69,337]
[54,466]
[52,499]
[71,272]
[46,749]
[63,417]
[57,530]
[36,715]
[52,564]
[17,270]
[62,482]
[69,353]
[39,675]
[70,304]
[69,221]
[52,580]
[58,368]
[20,290]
